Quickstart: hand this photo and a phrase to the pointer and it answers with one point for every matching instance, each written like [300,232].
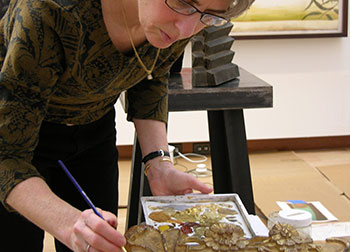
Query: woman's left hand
[164,179]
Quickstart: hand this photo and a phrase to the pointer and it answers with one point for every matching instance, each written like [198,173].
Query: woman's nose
[188,25]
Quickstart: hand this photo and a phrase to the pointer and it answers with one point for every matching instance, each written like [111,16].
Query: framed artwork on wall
[292,19]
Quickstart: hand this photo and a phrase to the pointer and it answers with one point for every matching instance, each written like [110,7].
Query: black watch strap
[158,153]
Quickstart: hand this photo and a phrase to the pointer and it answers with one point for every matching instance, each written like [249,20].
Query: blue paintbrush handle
[86,198]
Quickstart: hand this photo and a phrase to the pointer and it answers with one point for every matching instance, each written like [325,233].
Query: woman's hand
[34,200]
[100,234]
[164,179]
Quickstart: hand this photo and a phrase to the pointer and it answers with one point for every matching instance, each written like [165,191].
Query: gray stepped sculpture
[212,57]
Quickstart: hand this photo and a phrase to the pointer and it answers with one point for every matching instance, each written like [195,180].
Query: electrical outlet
[201,148]
[178,147]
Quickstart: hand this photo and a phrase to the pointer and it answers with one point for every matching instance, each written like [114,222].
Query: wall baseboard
[282,144]
[303,143]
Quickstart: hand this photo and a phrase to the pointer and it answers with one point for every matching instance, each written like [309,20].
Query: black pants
[90,154]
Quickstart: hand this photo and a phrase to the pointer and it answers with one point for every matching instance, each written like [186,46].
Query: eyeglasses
[184,8]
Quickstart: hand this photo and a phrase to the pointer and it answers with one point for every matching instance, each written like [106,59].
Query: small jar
[301,220]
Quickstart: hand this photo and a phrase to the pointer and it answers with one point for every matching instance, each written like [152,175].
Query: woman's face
[163,26]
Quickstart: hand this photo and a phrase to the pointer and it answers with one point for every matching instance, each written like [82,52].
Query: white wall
[311,91]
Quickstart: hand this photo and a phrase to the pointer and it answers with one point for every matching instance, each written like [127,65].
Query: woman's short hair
[237,7]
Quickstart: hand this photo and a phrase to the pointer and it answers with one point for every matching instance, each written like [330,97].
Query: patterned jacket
[58,64]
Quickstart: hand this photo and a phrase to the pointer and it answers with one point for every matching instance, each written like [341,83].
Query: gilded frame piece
[267,19]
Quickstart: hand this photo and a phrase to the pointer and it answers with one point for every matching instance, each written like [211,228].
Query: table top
[247,91]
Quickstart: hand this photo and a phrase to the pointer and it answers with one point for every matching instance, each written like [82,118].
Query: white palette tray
[221,208]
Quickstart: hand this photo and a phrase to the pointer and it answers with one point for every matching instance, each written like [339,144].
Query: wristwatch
[158,153]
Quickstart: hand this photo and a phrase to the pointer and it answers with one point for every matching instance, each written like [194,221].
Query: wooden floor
[316,166]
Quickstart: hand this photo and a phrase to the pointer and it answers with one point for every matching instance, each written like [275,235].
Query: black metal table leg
[138,187]
[229,154]
[135,185]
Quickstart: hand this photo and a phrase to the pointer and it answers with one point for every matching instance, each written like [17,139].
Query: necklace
[148,71]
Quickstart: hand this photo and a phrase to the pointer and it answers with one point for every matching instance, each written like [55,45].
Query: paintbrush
[85,197]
